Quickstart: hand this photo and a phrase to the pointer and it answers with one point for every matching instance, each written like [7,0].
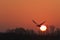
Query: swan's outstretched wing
[34,22]
[42,22]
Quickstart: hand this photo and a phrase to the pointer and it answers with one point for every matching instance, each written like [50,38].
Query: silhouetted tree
[22,34]
[20,30]
[52,29]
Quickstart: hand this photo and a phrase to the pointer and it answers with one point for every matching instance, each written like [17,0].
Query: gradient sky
[19,13]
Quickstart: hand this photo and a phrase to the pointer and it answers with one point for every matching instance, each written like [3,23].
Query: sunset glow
[43,28]
[19,13]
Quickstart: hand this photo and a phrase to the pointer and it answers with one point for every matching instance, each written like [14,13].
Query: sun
[43,28]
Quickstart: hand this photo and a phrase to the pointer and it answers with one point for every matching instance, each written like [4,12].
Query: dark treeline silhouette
[22,34]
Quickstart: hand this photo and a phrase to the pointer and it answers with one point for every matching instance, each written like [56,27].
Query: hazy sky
[16,13]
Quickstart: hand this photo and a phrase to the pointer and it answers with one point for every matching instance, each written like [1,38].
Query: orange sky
[16,13]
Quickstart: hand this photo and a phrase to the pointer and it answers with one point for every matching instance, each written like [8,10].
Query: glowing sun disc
[43,28]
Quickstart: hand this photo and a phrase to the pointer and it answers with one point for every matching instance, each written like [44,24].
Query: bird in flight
[38,25]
